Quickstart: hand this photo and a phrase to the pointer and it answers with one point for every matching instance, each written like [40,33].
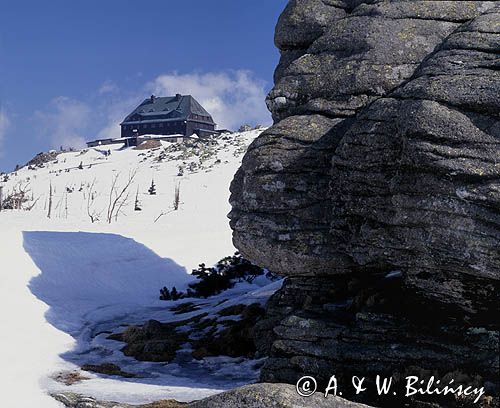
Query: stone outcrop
[271,395]
[41,158]
[249,396]
[72,400]
[229,332]
[377,191]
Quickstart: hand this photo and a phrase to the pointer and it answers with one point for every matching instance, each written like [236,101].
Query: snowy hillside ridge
[79,275]
[108,183]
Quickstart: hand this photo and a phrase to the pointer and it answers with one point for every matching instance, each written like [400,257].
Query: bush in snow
[165,294]
[152,189]
[19,198]
[223,276]
[137,203]
[175,294]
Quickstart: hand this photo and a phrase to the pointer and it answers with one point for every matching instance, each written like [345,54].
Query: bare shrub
[91,195]
[177,196]
[118,197]
[49,212]
[18,198]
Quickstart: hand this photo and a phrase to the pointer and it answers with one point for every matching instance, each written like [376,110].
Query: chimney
[153,98]
[178,97]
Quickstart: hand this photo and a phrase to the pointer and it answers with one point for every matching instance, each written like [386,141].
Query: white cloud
[116,110]
[232,97]
[64,122]
[4,125]
[108,87]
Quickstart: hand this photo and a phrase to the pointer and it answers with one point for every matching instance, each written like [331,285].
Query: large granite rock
[272,395]
[377,191]
[72,400]
[249,396]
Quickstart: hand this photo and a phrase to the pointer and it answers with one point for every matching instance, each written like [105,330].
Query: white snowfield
[67,281]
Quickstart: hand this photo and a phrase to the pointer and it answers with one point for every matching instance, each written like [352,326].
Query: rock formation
[271,395]
[249,396]
[377,192]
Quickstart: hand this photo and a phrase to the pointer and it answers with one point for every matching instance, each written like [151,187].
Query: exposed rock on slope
[249,396]
[271,395]
[71,400]
[41,158]
[377,191]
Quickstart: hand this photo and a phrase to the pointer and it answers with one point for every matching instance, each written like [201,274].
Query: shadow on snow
[94,283]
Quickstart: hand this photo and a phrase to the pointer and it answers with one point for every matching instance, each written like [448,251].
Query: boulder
[377,192]
[249,396]
[72,400]
[271,395]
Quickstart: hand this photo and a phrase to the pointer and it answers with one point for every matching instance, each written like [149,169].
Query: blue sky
[70,70]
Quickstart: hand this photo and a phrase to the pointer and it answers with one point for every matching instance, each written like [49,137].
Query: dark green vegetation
[216,279]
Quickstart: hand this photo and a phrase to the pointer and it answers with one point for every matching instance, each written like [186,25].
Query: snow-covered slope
[65,278]
[202,172]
